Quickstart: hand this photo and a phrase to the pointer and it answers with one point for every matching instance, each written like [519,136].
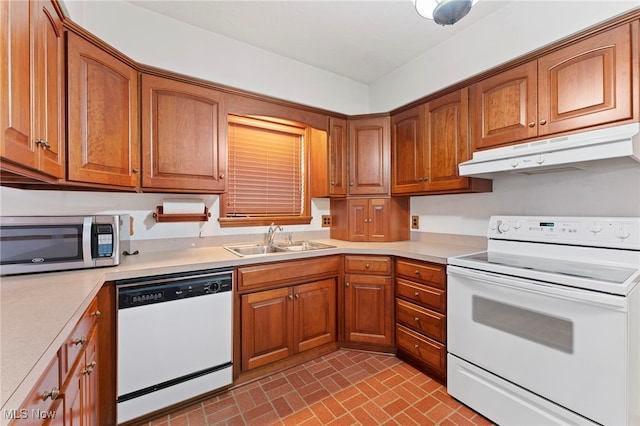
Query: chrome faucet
[272,232]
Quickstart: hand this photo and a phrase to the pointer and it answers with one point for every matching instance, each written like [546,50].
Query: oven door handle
[607,301]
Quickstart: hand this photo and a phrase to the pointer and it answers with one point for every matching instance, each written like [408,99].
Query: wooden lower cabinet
[78,386]
[421,308]
[368,302]
[286,309]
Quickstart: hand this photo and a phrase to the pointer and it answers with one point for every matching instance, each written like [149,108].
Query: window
[266,171]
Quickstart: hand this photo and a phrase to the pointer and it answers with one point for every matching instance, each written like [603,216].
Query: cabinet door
[369,147]
[183,144]
[368,308]
[504,107]
[267,332]
[36,402]
[378,222]
[337,157]
[104,141]
[447,141]
[358,219]
[32,69]
[314,314]
[587,83]
[50,90]
[408,165]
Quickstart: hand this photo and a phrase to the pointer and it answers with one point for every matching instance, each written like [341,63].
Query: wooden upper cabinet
[586,84]
[337,157]
[408,168]
[428,143]
[183,136]
[104,137]
[369,162]
[504,107]
[33,91]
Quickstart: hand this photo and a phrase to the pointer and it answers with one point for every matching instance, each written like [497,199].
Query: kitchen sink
[259,249]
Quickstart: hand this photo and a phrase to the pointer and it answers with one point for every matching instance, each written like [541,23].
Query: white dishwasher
[174,339]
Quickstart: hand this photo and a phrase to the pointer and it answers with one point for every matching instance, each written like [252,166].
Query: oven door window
[40,244]
[548,330]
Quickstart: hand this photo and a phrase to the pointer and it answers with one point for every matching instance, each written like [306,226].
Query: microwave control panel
[103,240]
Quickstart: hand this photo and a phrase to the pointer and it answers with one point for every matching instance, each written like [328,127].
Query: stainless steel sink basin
[258,249]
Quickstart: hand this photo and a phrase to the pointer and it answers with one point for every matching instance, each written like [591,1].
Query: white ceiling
[362,40]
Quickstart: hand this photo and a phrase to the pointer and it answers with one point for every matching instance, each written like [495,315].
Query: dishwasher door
[174,349]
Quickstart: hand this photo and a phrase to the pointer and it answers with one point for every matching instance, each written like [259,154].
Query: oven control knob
[595,228]
[622,233]
[503,227]
[212,287]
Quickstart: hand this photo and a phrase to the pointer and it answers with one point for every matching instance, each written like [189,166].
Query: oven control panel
[616,232]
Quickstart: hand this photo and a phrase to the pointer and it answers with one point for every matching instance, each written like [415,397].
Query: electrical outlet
[326,221]
[415,222]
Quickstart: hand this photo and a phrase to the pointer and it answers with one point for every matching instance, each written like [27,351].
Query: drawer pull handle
[417,319]
[81,341]
[53,394]
[416,346]
[416,294]
[89,368]
[96,314]
[417,272]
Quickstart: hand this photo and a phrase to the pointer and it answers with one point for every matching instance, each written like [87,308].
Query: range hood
[556,154]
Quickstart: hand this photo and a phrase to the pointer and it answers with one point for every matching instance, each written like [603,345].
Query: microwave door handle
[542,289]
[87,241]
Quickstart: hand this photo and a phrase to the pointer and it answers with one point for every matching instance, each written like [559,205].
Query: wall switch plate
[326,221]
[415,222]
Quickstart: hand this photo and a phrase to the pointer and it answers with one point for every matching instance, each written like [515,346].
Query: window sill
[230,222]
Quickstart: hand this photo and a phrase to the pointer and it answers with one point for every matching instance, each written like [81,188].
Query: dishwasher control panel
[136,292]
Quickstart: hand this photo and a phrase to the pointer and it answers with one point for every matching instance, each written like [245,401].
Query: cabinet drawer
[293,272]
[379,265]
[78,338]
[423,295]
[429,351]
[425,321]
[427,273]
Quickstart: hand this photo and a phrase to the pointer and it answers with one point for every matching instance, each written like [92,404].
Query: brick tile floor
[342,388]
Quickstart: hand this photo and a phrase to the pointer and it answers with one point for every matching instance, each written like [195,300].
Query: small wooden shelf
[184,217]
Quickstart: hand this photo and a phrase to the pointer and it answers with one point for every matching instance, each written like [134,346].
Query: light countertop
[38,312]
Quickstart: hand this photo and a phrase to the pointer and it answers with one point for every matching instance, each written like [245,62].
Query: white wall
[153,39]
[16,202]
[602,189]
[510,32]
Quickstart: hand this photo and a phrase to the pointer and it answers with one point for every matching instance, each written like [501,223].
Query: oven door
[563,344]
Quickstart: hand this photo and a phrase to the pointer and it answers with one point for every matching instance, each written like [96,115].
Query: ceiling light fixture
[444,12]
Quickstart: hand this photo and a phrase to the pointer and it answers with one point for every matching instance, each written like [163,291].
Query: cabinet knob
[366,265]
[297,296]
[89,368]
[290,297]
[54,393]
[347,284]
[221,176]
[532,124]
[543,122]
[416,319]
[417,272]
[350,183]
[136,170]
[416,346]
[426,178]
[81,341]
[333,182]
[96,314]
[416,294]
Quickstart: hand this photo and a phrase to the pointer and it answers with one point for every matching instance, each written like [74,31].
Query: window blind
[266,169]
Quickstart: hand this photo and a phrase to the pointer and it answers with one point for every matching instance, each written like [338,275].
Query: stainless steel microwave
[31,244]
